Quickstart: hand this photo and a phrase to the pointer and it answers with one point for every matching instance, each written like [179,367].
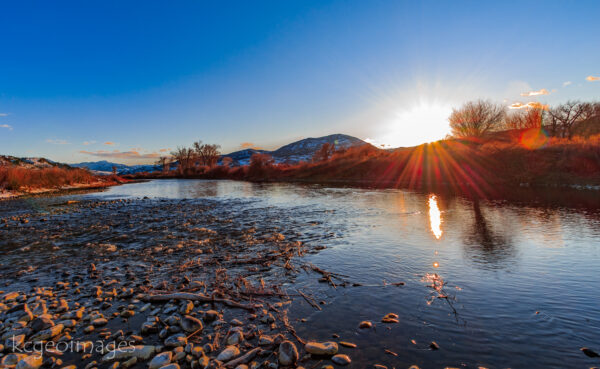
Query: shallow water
[495,283]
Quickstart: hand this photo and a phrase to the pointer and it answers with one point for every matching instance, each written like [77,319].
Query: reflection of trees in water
[486,247]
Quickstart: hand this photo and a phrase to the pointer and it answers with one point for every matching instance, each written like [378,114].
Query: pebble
[365,325]
[229,353]
[341,359]
[176,340]
[390,318]
[288,353]
[190,324]
[325,348]
[160,360]
[30,362]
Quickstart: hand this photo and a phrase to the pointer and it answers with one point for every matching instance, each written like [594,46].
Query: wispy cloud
[565,84]
[592,78]
[3,114]
[116,154]
[164,150]
[86,143]
[543,91]
[249,145]
[57,141]
[109,143]
[531,104]
[9,127]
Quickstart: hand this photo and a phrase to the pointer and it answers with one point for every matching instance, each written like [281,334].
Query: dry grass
[15,178]
[480,165]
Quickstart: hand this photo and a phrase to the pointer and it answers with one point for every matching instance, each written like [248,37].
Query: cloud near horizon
[592,78]
[121,154]
[248,145]
[9,127]
[109,143]
[543,91]
[57,141]
[531,104]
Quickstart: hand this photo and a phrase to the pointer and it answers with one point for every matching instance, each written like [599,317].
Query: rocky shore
[154,284]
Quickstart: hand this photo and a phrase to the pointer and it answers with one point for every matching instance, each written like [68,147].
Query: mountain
[294,152]
[29,162]
[105,167]
[297,151]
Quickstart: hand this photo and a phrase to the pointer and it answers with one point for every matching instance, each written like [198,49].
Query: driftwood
[199,297]
[244,358]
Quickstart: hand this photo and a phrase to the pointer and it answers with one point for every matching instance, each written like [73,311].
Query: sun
[422,122]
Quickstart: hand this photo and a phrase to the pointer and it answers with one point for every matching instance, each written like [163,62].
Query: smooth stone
[229,353]
[176,340]
[190,324]
[365,324]
[140,352]
[341,359]
[235,338]
[160,360]
[30,362]
[170,366]
[288,353]
[325,348]
[48,333]
[41,323]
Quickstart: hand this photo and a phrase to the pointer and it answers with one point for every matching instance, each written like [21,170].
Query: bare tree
[164,162]
[522,119]
[206,154]
[565,116]
[226,161]
[476,118]
[184,157]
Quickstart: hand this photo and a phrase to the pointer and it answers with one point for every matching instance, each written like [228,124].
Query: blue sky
[123,80]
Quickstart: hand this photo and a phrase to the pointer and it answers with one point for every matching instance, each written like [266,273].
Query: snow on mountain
[106,167]
[294,152]
[29,162]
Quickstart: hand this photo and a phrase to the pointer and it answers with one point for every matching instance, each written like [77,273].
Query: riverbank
[483,168]
[184,287]
[6,195]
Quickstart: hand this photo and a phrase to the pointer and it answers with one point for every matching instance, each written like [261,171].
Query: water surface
[496,284]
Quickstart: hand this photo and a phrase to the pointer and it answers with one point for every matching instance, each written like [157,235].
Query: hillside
[293,153]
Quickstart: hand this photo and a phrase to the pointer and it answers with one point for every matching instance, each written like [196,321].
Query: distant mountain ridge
[302,150]
[29,162]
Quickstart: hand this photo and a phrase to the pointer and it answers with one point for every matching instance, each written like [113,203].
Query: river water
[495,283]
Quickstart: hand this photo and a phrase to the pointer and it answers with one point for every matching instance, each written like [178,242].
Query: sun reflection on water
[435,217]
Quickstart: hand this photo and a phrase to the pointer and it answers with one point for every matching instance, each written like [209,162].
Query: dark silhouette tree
[476,118]
[564,116]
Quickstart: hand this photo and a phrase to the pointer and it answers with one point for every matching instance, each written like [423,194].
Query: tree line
[191,159]
[481,117]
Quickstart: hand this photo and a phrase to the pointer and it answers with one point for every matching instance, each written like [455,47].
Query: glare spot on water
[435,217]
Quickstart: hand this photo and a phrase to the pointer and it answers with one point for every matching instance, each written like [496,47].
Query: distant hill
[105,167]
[294,152]
[30,162]
[297,151]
